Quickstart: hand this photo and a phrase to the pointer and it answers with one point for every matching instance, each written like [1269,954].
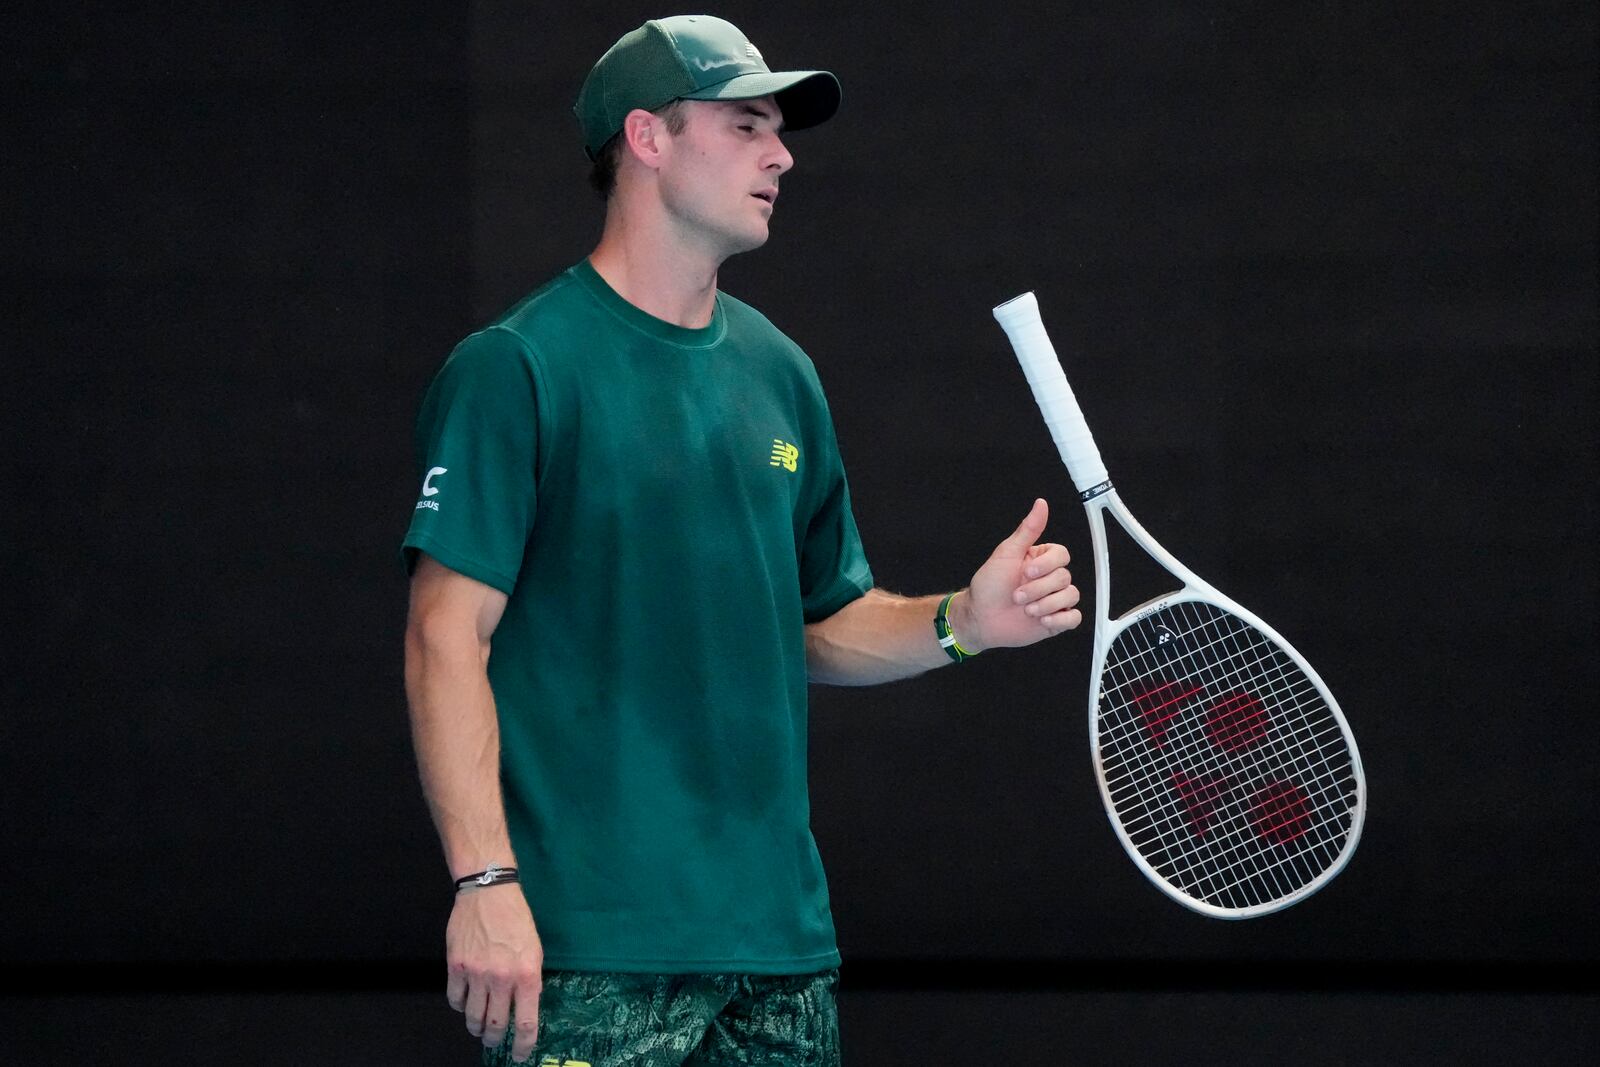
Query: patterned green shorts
[589,1019]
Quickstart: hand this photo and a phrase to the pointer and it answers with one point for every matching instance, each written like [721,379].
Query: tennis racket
[1226,767]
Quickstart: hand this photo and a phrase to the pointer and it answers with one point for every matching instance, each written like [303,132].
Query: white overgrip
[1019,317]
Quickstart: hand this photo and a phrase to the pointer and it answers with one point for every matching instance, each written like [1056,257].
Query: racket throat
[1144,579]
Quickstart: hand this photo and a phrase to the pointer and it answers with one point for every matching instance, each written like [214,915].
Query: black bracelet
[493,876]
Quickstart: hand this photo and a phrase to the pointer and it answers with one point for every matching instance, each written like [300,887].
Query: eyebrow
[758,112]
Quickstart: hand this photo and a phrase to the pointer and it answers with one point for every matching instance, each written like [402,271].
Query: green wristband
[947,636]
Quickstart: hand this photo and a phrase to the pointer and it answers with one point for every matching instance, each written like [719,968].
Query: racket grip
[1019,317]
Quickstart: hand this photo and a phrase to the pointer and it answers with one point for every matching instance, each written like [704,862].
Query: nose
[778,158]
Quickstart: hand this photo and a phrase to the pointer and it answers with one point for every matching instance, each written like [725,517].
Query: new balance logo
[784,455]
[557,1061]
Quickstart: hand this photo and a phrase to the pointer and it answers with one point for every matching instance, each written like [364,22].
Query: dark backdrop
[1324,279]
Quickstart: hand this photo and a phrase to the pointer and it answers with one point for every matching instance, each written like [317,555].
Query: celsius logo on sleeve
[429,489]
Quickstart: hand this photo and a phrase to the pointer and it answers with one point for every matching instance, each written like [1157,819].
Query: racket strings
[1226,863]
[1290,689]
[1278,812]
[1299,736]
[1225,765]
[1280,682]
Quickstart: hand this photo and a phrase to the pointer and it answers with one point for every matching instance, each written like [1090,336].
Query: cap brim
[806,97]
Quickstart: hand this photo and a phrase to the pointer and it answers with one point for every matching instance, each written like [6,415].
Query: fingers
[1062,621]
[496,1003]
[1055,602]
[527,1019]
[455,987]
[496,1014]
[1050,595]
[1042,559]
[1045,572]
[1043,595]
[1023,537]
[477,1004]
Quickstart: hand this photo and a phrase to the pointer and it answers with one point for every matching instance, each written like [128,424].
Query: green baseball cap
[693,57]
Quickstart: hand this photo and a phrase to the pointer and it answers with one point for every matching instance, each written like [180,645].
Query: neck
[654,269]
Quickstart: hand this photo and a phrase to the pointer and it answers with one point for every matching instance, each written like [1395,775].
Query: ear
[646,137]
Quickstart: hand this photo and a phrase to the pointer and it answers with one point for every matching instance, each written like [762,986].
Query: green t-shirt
[665,508]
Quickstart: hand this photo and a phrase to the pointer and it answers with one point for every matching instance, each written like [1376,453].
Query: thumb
[1027,533]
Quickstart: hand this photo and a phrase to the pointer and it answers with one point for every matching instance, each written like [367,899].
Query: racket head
[1226,766]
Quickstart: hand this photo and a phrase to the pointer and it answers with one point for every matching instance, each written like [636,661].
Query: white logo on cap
[703,65]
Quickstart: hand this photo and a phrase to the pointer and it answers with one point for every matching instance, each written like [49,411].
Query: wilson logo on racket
[784,455]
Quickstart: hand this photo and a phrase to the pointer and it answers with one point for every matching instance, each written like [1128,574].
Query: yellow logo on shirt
[556,1061]
[784,455]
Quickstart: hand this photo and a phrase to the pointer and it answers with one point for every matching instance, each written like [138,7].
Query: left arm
[1023,593]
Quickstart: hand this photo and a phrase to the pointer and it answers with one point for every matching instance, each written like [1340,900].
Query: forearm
[457,741]
[880,637]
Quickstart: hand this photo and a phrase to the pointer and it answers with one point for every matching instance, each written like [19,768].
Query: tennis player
[632,550]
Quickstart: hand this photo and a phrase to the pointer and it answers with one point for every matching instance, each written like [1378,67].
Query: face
[719,178]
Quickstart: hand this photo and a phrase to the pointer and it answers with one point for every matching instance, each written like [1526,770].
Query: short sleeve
[833,565]
[477,453]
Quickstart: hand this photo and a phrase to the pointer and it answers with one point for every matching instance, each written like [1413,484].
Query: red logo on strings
[1237,721]
[1160,704]
[1201,797]
[1281,812]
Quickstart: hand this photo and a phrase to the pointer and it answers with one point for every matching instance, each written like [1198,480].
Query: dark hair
[603,175]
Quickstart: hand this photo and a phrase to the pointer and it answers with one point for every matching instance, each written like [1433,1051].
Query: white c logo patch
[428,490]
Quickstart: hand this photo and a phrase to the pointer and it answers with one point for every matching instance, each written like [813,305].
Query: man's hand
[1023,593]
[495,961]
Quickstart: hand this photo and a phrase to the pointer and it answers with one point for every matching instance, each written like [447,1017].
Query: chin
[746,242]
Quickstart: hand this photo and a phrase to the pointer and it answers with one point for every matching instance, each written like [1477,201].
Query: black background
[1324,279]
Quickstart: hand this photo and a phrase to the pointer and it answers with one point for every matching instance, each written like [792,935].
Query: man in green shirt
[632,550]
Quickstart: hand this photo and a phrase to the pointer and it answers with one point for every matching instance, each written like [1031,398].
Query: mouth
[767,195]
